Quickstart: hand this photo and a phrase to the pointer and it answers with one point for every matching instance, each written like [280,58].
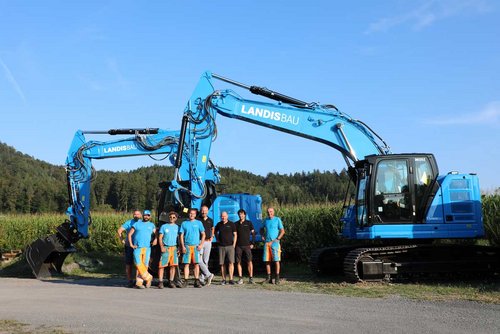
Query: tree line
[29,185]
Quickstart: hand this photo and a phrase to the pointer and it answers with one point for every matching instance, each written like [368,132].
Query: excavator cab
[395,189]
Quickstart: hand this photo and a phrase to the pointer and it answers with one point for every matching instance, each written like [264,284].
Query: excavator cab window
[392,201]
[423,177]
[361,207]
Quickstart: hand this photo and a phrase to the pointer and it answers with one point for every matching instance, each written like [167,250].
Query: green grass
[16,327]
[297,278]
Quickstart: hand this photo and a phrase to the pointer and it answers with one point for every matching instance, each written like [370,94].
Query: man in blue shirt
[168,245]
[191,244]
[129,252]
[273,232]
[140,240]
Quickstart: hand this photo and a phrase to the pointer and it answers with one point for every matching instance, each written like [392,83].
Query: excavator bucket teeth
[46,256]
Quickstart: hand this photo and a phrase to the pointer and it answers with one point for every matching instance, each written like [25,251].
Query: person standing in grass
[139,237]
[273,232]
[244,245]
[192,237]
[168,244]
[129,251]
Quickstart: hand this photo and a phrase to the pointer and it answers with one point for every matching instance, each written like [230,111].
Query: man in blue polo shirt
[168,245]
[273,232]
[129,251]
[140,240]
[192,237]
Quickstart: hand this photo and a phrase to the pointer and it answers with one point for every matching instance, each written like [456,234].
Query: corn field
[307,227]
[491,216]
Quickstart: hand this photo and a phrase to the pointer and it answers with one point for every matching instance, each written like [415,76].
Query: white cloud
[10,78]
[429,12]
[490,114]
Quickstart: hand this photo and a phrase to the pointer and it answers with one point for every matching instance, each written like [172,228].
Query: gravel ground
[105,306]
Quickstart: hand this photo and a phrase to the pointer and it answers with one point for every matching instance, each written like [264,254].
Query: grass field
[16,327]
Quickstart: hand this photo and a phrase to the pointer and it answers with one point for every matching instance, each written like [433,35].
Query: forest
[29,185]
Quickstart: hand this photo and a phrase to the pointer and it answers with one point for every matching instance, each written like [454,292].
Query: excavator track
[357,263]
[329,260]
[399,261]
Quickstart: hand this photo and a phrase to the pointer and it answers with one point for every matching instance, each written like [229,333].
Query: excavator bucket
[46,255]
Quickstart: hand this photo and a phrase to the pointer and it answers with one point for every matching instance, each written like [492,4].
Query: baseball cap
[146,212]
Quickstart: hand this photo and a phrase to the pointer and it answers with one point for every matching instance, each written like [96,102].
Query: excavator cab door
[399,187]
[392,200]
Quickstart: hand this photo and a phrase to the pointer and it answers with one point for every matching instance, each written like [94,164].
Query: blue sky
[423,74]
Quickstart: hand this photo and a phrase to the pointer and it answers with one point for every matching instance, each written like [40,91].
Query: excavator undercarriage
[406,261]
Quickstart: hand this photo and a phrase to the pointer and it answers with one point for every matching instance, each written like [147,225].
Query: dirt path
[104,306]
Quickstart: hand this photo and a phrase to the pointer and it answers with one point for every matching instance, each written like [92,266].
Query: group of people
[191,243]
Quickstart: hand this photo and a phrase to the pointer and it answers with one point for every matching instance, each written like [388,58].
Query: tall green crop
[491,217]
[309,227]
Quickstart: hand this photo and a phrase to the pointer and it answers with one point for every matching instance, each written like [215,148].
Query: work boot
[170,285]
[197,284]
[277,280]
[160,285]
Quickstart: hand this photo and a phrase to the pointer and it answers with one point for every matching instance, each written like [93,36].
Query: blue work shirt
[127,226]
[191,231]
[142,234]
[273,227]
[170,232]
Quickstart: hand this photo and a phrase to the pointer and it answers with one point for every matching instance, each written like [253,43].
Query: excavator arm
[321,123]
[186,149]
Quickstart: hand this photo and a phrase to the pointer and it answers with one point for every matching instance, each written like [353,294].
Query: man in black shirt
[244,228]
[206,276]
[225,231]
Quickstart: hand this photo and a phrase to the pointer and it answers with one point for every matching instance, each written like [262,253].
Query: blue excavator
[401,204]
[193,185]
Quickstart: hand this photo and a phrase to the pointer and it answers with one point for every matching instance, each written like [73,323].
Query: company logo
[272,115]
[121,148]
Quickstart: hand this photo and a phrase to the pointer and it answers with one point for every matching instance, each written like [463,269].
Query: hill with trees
[29,185]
